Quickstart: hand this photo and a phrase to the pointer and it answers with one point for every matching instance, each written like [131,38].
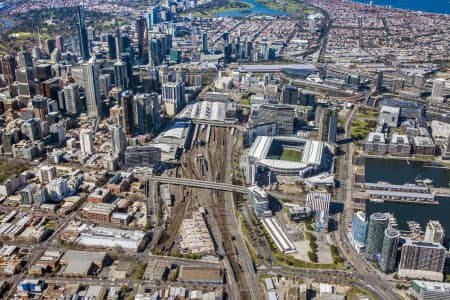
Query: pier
[407,193]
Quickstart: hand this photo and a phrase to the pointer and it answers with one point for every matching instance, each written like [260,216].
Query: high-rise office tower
[50,88]
[422,260]
[40,107]
[121,75]
[55,56]
[82,35]
[43,72]
[86,141]
[8,66]
[378,222]
[438,87]
[92,87]
[72,99]
[105,83]
[127,61]
[152,17]
[32,130]
[36,53]
[141,32]
[434,232]
[47,174]
[359,231]
[126,44]
[126,104]
[118,140]
[327,124]
[119,46]
[147,112]
[389,250]
[60,43]
[24,60]
[173,95]
[26,86]
[91,33]
[205,42]
[379,81]
[49,46]
[319,202]
[57,133]
[289,94]
[112,47]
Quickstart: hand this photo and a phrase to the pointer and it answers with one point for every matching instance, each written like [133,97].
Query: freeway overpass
[199,184]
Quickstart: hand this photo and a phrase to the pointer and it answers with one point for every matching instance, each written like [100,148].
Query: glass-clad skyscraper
[377,224]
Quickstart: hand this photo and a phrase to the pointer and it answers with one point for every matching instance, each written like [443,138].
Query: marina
[409,215]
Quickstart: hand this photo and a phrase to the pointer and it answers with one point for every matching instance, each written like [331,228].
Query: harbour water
[258,9]
[435,6]
[400,172]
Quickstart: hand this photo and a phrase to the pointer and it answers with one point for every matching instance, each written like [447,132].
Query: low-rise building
[426,290]
[82,263]
[98,212]
[99,195]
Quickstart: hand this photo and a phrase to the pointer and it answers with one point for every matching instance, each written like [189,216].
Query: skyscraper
[72,99]
[127,111]
[26,86]
[8,66]
[327,124]
[147,111]
[120,75]
[378,222]
[389,250]
[105,83]
[141,32]
[359,231]
[289,94]
[205,42]
[319,202]
[434,233]
[24,60]
[112,47]
[82,35]
[118,140]
[152,16]
[60,43]
[422,260]
[86,141]
[92,87]
[379,81]
[173,95]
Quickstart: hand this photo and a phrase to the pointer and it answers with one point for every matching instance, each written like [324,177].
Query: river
[435,6]
[402,171]
[258,9]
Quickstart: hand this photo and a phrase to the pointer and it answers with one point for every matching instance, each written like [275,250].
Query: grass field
[291,155]
[356,293]
[10,168]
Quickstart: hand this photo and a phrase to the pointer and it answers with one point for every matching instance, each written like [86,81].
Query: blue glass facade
[359,228]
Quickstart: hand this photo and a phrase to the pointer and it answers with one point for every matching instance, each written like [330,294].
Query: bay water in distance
[434,6]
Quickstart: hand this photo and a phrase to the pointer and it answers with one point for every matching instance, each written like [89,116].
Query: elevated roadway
[199,183]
